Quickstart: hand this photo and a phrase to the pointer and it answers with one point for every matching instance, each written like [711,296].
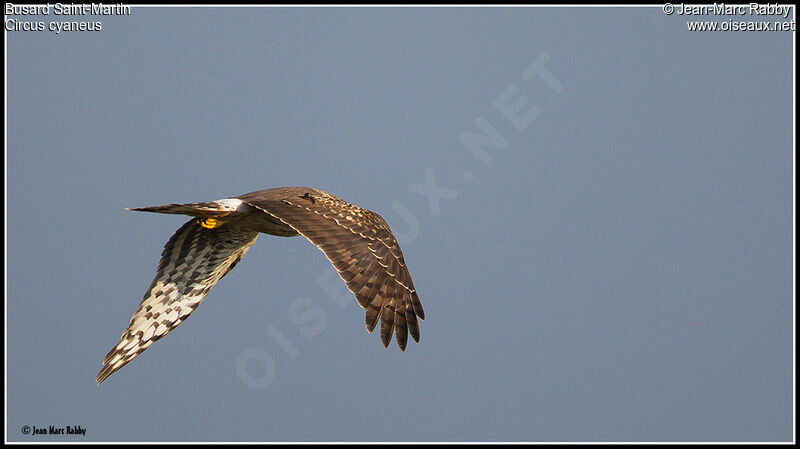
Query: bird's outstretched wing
[193,260]
[361,247]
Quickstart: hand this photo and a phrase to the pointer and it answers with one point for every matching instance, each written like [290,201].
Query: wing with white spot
[193,260]
[360,246]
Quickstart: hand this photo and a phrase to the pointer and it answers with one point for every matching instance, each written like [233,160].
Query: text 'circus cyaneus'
[358,243]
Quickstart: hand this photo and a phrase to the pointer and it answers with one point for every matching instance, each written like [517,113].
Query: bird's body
[358,243]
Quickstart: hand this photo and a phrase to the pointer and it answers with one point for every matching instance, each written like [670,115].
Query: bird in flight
[357,242]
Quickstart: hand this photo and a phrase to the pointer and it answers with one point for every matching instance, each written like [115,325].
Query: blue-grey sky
[595,205]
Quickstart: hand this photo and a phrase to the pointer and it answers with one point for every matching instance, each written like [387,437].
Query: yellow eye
[209,223]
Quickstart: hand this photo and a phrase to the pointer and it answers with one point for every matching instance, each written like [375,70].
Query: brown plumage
[358,243]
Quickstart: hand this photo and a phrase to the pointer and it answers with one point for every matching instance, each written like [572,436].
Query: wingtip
[146,208]
[103,374]
[370,323]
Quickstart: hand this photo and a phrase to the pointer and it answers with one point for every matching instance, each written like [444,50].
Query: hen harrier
[358,243]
